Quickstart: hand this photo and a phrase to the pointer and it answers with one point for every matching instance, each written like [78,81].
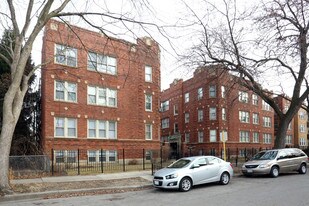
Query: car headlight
[264,165]
[172,176]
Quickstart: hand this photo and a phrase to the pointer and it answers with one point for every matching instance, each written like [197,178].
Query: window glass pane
[112,130]
[102,96]
[71,92]
[91,95]
[92,61]
[60,90]
[71,127]
[102,129]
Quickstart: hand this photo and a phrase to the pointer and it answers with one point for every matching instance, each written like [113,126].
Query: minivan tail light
[232,165]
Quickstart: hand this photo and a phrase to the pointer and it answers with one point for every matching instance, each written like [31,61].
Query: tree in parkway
[263,42]
[26,22]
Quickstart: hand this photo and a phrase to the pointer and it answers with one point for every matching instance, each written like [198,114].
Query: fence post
[52,157]
[161,153]
[78,169]
[101,160]
[236,156]
[123,161]
[143,159]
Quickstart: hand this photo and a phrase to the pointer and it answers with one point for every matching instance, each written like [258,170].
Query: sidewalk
[114,181]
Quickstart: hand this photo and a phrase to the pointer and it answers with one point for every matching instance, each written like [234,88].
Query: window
[65,127]
[256,138]
[267,138]
[243,97]
[106,155]
[212,113]
[102,63]
[302,128]
[242,152]
[187,137]
[187,97]
[200,136]
[302,142]
[212,91]
[148,155]
[302,115]
[66,55]
[148,73]
[102,96]
[176,109]
[200,115]
[148,102]
[65,91]
[255,118]
[243,136]
[65,156]
[265,106]
[223,114]
[286,108]
[165,123]
[266,122]
[200,93]
[101,129]
[255,100]
[212,135]
[165,106]
[288,139]
[223,92]
[244,117]
[176,128]
[148,131]
[102,156]
[187,117]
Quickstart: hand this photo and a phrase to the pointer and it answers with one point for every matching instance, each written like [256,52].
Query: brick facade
[129,115]
[220,91]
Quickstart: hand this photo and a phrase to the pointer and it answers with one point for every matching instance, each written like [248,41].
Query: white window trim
[65,54]
[108,95]
[66,91]
[148,74]
[65,127]
[107,130]
[150,103]
[150,132]
[107,64]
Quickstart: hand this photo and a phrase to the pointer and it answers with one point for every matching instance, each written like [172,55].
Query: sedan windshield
[265,155]
[180,163]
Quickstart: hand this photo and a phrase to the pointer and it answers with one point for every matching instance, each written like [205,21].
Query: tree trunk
[5,146]
[11,111]
[281,133]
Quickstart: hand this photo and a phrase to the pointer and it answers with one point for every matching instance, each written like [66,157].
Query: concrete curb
[47,194]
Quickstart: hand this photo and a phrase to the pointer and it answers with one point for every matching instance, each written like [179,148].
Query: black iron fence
[82,162]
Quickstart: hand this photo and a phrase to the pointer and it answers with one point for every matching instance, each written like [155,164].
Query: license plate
[249,170]
[156,182]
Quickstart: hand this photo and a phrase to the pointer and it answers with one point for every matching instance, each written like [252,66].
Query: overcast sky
[166,13]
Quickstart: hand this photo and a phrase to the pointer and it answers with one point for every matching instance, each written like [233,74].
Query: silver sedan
[190,171]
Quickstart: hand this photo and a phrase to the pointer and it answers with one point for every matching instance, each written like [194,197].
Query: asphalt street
[286,190]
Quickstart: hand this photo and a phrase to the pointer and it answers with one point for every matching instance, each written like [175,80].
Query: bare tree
[37,14]
[266,46]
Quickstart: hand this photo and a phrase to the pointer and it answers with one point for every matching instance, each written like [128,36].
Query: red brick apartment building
[98,92]
[195,112]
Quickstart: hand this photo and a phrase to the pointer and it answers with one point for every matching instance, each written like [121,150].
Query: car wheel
[225,178]
[303,169]
[185,184]
[274,172]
